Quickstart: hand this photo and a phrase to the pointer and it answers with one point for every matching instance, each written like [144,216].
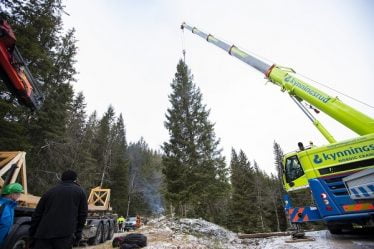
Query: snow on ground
[169,233]
[189,233]
[280,242]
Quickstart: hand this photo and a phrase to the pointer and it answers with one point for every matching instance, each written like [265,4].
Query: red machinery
[14,71]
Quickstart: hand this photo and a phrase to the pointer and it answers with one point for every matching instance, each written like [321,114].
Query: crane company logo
[352,153]
[317,159]
[307,89]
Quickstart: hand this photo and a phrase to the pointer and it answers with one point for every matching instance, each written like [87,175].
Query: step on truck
[339,174]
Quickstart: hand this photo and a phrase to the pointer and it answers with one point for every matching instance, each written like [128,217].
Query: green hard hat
[12,188]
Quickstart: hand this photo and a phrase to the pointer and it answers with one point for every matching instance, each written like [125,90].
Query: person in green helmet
[8,202]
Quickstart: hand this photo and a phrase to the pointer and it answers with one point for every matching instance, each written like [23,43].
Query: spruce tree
[193,165]
[278,155]
[77,152]
[245,208]
[118,172]
[103,145]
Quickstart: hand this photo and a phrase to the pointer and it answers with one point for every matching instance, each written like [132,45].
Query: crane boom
[287,79]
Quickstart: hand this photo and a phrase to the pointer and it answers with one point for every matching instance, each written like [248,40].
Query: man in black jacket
[60,215]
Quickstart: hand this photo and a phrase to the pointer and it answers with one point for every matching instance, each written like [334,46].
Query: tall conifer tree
[193,165]
[118,172]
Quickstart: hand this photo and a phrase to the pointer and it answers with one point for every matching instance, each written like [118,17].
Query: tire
[136,238]
[116,230]
[334,229]
[111,230]
[105,232]
[99,234]
[117,242]
[19,240]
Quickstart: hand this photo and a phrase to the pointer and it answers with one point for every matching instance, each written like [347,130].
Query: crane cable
[332,89]
[269,61]
[183,47]
[346,95]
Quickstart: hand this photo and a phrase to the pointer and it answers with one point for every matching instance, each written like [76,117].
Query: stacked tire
[130,241]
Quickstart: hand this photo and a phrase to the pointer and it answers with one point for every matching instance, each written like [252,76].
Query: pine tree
[13,132]
[49,53]
[278,155]
[259,184]
[89,164]
[278,188]
[193,165]
[103,145]
[118,172]
[76,149]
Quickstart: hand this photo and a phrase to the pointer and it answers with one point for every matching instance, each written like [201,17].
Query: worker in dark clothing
[60,215]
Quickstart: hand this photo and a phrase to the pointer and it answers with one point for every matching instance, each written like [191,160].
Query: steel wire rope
[271,63]
[332,89]
[309,79]
[183,46]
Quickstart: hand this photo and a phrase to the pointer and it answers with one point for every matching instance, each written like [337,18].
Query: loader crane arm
[14,71]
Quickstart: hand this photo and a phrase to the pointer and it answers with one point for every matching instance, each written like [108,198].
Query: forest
[186,177]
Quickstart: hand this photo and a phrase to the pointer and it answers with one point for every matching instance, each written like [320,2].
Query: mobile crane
[340,175]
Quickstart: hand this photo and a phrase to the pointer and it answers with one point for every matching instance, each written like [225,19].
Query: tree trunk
[276,212]
[260,205]
[262,235]
[171,210]
[131,188]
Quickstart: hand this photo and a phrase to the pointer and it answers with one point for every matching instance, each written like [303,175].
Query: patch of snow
[172,233]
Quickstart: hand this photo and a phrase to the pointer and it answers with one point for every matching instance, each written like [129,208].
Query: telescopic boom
[298,89]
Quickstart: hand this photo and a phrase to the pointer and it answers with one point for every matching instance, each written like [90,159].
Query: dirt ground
[168,239]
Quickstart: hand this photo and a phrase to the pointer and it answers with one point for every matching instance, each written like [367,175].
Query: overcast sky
[128,52]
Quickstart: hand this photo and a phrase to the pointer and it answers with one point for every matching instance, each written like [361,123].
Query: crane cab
[294,177]
[344,157]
